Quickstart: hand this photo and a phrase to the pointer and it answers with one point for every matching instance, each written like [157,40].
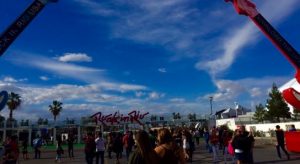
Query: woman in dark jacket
[240,145]
[118,146]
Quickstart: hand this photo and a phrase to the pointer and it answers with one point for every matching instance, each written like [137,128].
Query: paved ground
[262,155]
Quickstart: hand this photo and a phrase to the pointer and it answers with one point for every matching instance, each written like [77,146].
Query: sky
[158,56]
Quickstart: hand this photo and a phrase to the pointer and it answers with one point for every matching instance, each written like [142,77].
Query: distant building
[232,113]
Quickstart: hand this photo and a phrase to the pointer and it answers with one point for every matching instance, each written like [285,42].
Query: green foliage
[277,107]
[259,133]
[260,113]
[55,108]
[296,114]
[192,117]
[176,116]
[14,101]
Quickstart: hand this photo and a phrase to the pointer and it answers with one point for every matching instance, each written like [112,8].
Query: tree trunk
[10,114]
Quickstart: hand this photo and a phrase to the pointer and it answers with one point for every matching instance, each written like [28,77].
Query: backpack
[37,143]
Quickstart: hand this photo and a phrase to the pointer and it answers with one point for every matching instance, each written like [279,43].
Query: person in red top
[90,148]
[214,141]
[128,142]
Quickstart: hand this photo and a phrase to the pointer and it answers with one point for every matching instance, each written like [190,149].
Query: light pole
[210,100]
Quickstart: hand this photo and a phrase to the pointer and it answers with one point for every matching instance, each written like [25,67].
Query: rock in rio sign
[117,118]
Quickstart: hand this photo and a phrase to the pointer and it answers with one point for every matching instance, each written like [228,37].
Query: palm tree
[55,108]
[13,102]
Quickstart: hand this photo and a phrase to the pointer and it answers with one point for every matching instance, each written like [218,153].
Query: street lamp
[210,100]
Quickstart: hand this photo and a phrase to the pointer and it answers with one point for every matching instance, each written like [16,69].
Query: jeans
[71,152]
[215,150]
[37,153]
[226,154]
[89,158]
[101,155]
[128,151]
[283,149]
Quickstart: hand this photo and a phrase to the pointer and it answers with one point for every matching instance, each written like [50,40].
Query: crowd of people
[154,146]
[157,146]
[175,145]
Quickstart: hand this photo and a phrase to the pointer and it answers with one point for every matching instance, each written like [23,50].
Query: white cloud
[244,35]
[180,31]
[243,90]
[177,100]
[162,70]
[10,79]
[44,78]
[82,73]
[155,95]
[121,87]
[254,92]
[140,94]
[75,57]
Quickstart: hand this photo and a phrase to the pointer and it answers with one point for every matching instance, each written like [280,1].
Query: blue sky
[157,56]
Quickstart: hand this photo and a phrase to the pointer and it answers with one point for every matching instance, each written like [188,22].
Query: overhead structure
[15,29]
[246,7]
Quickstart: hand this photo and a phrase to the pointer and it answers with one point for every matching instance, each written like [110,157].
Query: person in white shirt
[100,148]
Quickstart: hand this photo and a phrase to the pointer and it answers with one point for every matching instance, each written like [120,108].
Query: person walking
[197,136]
[280,142]
[143,153]
[214,141]
[249,140]
[25,148]
[206,138]
[188,144]
[238,144]
[11,153]
[59,150]
[227,145]
[100,148]
[110,144]
[89,149]
[128,143]
[70,142]
[37,144]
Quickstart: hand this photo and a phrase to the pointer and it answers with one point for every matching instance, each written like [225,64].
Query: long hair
[164,136]
[144,146]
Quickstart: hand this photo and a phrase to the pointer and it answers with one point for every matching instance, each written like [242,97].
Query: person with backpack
[37,144]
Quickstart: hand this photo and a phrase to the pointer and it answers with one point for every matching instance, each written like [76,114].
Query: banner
[117,118]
